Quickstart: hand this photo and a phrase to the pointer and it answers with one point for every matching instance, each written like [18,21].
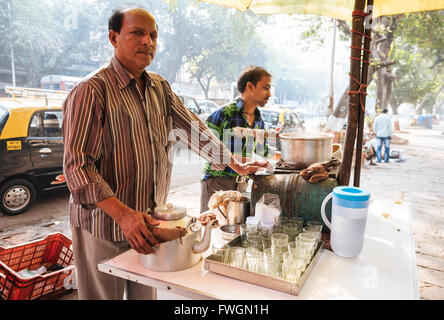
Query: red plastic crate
[55,249]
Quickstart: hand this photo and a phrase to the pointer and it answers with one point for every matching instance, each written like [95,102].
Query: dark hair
[384,111]
[116,20]
[251,74]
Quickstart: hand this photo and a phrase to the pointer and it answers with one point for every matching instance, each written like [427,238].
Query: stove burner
[282,166]
[285,167]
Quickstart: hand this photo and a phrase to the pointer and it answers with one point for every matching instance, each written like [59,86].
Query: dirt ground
[419,176]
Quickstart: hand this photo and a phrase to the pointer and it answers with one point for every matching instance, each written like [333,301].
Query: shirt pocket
[162,127]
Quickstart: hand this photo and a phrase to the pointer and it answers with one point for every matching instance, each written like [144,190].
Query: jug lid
[169,212]
[351,193]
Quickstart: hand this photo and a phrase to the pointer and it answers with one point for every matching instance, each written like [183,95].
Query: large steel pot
[303,149]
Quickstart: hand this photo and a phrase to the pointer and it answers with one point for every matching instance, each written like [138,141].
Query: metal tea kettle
[181,253]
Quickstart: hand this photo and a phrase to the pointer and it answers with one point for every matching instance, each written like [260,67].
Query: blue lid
[351,193]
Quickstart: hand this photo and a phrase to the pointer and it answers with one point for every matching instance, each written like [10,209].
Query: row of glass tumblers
[283,252]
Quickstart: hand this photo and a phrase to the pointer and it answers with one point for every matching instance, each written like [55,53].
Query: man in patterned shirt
[116,128]
[254,85]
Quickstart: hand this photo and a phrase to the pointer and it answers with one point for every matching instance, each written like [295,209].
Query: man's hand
[249,167]
[134,228]
[132,223]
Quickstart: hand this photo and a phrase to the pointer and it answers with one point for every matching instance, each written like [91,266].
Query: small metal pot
[236,212]
[306,148]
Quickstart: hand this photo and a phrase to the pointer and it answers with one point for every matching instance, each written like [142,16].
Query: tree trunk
[205,86]
[380,46]
[354,100]
[396,125]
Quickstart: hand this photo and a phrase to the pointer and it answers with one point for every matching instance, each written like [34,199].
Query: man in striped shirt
[119,124]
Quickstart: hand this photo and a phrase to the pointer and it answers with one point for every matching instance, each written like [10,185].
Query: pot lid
[306,136]
[169,212]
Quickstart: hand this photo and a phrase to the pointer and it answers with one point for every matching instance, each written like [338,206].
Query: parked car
[208,106]
[31,154]
[191,103]
[282,120]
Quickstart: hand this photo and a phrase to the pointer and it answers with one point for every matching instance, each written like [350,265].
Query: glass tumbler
[291,229]
[220,252]
[253,257]
[280,220]
[254,242]
[266,241]
[313,229]
[314,223]
[252,224]
[292,268]
[309,240]
[299,221]
[269,266]
[236,257]
[295,249]
[302,255]
[279,243]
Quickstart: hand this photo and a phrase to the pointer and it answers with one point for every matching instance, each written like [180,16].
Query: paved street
[420,176]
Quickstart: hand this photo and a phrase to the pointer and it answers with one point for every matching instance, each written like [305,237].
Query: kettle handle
[324,203]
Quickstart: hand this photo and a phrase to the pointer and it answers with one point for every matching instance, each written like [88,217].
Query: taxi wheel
[16,196]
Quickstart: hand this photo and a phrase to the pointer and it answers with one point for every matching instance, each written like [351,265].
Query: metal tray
[260,279]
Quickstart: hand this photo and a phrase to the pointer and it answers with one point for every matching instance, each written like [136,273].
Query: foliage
[419,55]
[232,46]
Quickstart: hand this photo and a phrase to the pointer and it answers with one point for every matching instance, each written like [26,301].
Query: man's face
[261,92]
[135,45]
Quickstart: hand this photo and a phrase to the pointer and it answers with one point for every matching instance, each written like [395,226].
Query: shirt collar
[240,107]
[124,78]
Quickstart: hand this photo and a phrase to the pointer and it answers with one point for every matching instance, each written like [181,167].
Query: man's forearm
[114,208]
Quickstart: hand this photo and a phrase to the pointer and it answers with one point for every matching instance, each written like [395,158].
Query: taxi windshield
[4,114]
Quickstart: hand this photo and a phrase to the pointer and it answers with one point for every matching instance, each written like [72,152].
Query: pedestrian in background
[383,129]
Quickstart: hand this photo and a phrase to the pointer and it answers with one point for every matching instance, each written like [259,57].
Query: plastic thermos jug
[348,219]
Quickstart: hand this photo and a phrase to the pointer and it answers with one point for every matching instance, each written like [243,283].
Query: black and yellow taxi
[31,153]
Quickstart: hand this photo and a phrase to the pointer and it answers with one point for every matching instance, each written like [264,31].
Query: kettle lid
[169,212]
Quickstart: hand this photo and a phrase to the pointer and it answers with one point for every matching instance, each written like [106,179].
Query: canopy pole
[332,68]
[364,80]
[354,99]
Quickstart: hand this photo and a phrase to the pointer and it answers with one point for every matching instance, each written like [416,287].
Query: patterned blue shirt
[221,123]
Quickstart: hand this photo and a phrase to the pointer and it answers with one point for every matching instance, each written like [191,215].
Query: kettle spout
[202,245]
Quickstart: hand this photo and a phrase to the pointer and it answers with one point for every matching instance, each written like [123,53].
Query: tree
[178,32]
[60,37]
[419,55]
[228,43]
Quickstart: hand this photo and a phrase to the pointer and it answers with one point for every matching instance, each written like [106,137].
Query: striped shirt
[118,142]
[222,121]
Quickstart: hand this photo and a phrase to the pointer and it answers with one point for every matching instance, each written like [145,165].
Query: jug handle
[324,217]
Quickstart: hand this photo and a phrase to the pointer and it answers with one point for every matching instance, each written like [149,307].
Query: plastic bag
[268,208]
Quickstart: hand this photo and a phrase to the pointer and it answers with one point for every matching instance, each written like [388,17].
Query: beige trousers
[93,284]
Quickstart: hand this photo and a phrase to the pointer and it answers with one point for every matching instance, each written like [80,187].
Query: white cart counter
[385,269]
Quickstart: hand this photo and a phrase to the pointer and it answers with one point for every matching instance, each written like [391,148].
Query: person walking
[383,129]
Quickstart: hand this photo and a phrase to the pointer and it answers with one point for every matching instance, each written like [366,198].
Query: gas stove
[298,197]
[284,167]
